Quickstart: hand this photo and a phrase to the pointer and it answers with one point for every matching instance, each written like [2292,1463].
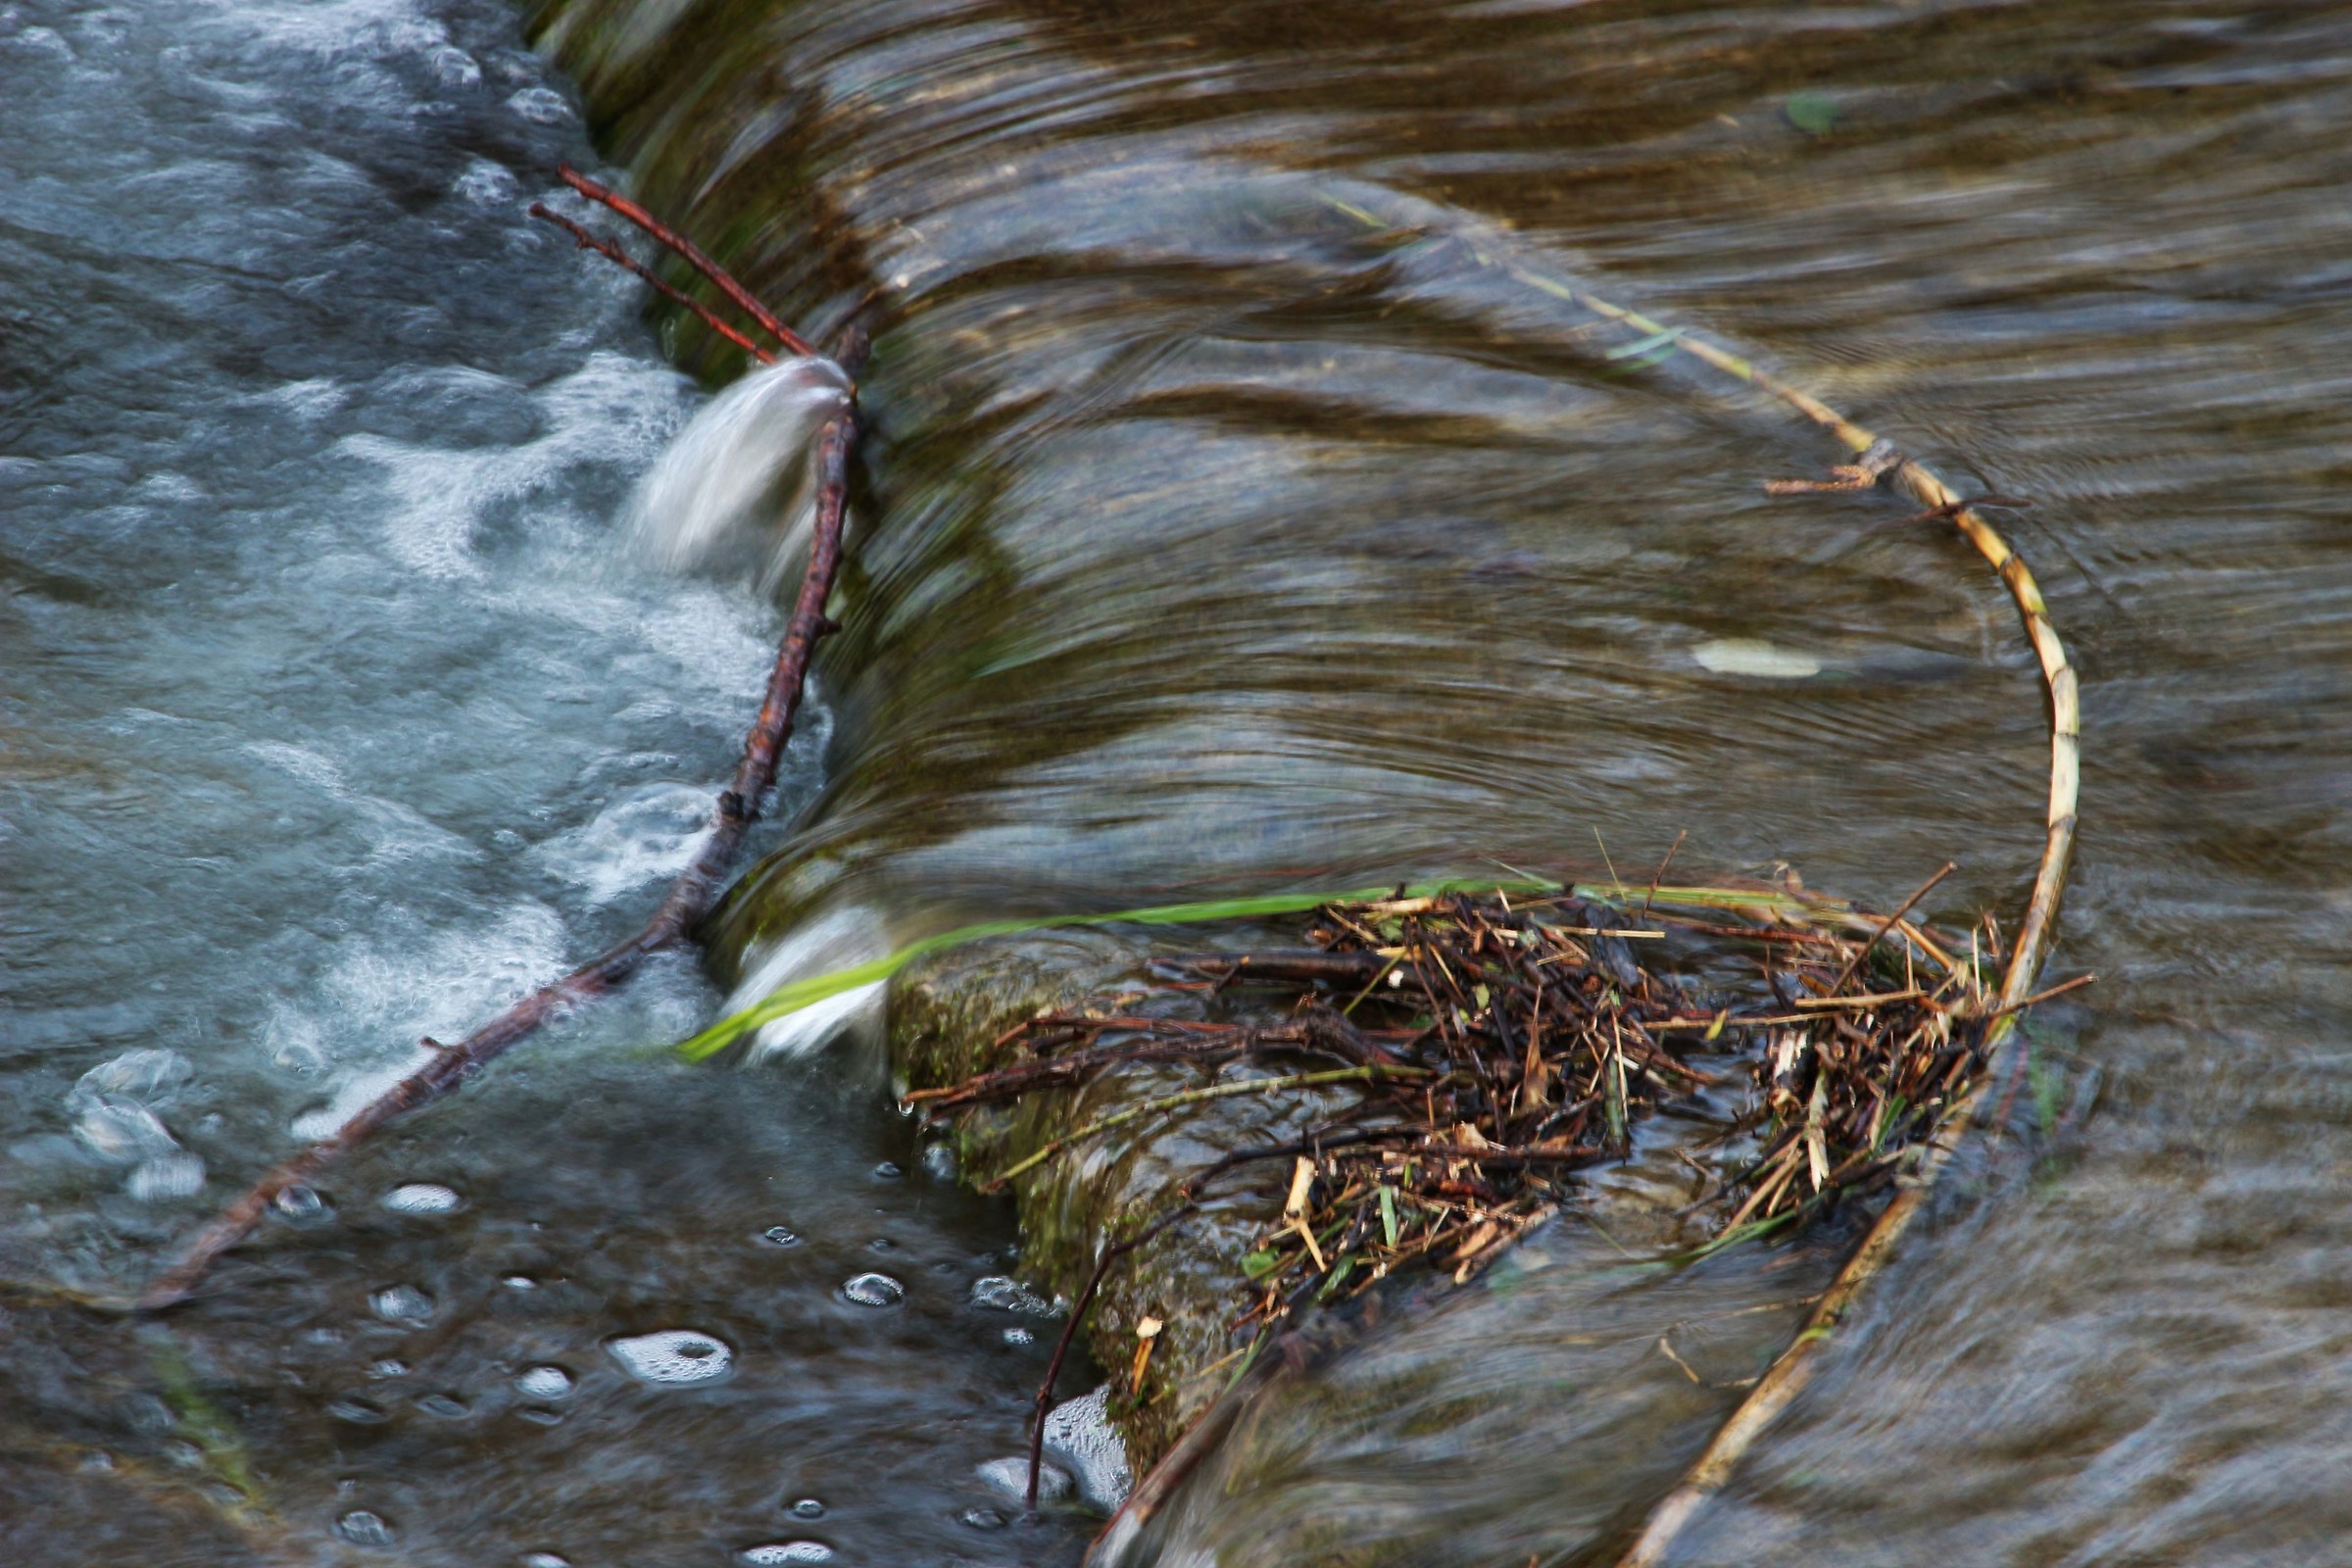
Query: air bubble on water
[542,1559]
[780,1235]
[778,1552]
[809,1508]
[442,1407]
[301,1205]
[539,1415]
[362,1528]
[888,1171]
[519,1282]
[1011,1478]
[389,1367]
[402,1304]
[881,1243]
[982,1518]
[543,1382]
[1079,1433]
[421,1198]
[673,1357]
[1019,1336]
[874,1290]
[1004,1294]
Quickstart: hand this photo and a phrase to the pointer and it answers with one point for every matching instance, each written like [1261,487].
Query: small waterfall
[735,492]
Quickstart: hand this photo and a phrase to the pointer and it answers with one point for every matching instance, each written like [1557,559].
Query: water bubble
[779,1236]
[442,1407]
[982,1518]
[874,1290]
[519,1282]
[785,1551]
[402,1304]
[359,1411]
[1011,1478]
[809,1508]
[302,1204]
[881,1243]
[421,1198]
[539,1416]
[365,1529]
[1019,1336]
[673,1357]
[1079,1433]
[544,1383]
[542,1559]
[389,1367]
[887,1171]
[1004,1294]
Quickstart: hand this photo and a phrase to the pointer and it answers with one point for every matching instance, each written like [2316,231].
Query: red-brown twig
[718,274]
[689,896]
[612,253]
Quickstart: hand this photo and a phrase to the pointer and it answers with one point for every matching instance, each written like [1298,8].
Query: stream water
[1240,510]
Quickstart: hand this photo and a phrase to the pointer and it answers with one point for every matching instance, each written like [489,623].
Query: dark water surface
[1239,516]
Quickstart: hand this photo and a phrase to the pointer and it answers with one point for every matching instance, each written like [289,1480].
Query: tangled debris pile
[1505,1043]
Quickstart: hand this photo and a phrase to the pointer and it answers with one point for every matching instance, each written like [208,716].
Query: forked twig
[612,253]
[743,297]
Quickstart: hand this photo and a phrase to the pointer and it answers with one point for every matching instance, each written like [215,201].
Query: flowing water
[1243,508]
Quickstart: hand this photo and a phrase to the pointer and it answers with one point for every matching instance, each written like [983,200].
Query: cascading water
[1209,536]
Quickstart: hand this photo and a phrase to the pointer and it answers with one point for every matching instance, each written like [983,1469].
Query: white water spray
[736,491]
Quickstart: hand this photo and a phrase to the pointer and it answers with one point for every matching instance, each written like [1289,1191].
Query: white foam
[1011,1478]
[421,1198]
[673,1357]
[543,1383]
[640,836]
[1079,1433]
[734,489]
[786,1551]
[1747,656]
[1006,1295]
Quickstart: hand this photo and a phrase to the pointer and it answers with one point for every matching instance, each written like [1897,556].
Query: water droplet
[301,1205]
[442,1407]
[887,1171]
[544,1383]
[365,1529]
[786,1551]
[1011,1478]
[874,1290]
[402,1304]
[809,1508]
[982,1518]
[1002,1294]
[779,1236]
[422,1197]
[359,1411]
[1019,1336]
[673,1357]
